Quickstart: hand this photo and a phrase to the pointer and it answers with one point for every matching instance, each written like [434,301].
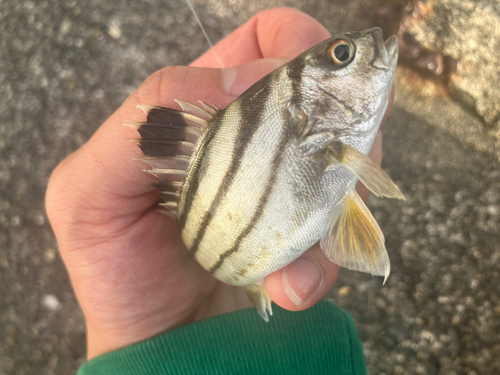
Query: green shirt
[320,340]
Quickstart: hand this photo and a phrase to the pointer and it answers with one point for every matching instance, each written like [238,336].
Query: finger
[278,33]
[303,282]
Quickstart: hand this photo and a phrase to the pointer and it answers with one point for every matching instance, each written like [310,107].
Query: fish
[256,184]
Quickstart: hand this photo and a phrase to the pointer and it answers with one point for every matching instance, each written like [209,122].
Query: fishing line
[204,33]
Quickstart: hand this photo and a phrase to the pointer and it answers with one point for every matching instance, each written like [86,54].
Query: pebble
[51,302]
[344,291]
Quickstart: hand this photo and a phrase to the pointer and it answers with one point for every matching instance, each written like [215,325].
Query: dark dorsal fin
[168,116]
[168,138]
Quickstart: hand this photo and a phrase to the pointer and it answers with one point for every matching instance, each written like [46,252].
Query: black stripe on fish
[245,134]
[295,72]
[191,180]
[263,200]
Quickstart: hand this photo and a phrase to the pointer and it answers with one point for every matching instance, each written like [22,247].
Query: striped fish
[255,185]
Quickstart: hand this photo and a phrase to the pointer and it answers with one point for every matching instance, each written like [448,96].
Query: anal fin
[260,299]
[353,238]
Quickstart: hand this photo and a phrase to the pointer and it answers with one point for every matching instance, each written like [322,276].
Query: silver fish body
[272,173]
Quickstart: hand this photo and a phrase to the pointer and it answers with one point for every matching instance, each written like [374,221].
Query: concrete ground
[65,66]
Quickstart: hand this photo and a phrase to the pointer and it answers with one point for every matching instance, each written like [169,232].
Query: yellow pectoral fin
[369,173]
[354,240]
[260,299]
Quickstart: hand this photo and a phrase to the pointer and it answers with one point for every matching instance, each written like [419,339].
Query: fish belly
[251,218]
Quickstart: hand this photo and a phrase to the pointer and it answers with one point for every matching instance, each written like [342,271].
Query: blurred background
[65,66]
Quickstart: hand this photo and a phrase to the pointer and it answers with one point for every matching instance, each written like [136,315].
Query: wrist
[102,340]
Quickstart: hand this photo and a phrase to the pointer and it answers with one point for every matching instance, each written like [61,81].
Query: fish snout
[384,51]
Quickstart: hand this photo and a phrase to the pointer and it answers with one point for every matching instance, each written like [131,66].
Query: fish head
[344,83]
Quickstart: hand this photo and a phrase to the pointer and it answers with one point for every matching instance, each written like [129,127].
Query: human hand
[131,273]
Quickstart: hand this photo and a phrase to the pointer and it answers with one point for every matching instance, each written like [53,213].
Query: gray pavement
[65,66]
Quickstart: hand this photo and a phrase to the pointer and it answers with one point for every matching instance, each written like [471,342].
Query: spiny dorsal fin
[173,186]
[354,240]
[169,208]
[165,175]
[194,109]
[170,196]
[208,108]
[168,116]
[168,138]
[174,162]
[165,131]
[162,149]
[360,165]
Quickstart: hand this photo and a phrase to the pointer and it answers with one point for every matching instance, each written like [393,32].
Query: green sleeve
[320,340]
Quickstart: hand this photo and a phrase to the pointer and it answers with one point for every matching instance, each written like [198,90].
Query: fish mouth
[392,46]
[385,52]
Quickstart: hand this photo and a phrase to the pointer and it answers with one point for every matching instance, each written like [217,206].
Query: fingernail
[301,280]
[239,78]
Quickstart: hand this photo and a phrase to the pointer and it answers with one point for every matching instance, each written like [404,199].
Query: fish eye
[341,52]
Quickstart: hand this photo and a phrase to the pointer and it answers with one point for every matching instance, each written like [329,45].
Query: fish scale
[275,172]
